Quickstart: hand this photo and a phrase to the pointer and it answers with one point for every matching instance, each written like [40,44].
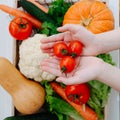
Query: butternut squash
[28,96]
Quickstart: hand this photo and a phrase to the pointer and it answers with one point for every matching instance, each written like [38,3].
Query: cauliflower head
[30,56]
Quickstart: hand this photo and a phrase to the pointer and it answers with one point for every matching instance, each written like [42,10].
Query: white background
[6,50]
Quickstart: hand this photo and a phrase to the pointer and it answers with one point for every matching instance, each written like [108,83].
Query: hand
[72,32]
[87,68]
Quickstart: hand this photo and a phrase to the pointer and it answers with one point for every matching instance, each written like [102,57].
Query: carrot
[39,5]
[19,13]
[87,114]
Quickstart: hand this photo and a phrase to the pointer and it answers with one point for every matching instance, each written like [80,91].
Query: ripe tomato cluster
[79,93]
[67,53]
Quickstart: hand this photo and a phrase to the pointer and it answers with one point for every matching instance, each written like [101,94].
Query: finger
[48,45]
[53,70]
[51,54]
[69,27]
[50,65]
[50,41]
[52,60]
[47,51]
[68,80]
[53,38]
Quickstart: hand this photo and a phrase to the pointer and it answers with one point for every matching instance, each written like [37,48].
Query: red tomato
[67,64]
[75,48]
[20,28]
[79,93]
[60,49]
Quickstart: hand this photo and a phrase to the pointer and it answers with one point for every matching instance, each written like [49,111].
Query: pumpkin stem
[85,21]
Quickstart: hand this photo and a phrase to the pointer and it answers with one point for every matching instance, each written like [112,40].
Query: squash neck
[10,85]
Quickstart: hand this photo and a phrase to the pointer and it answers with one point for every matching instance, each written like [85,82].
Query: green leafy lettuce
[57,9]
[58,106]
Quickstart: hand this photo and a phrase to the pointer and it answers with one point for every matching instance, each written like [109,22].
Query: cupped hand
[87,68]
[71,32]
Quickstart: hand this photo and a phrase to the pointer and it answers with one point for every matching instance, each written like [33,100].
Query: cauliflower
[30,57]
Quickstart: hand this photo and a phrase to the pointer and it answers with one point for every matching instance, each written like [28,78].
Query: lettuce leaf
[58,106]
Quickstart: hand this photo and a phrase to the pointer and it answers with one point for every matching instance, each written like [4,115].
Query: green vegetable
[57,105]
[38,116]
[48,28]
[57,9]
[36,12]
[99,96]
[107,58]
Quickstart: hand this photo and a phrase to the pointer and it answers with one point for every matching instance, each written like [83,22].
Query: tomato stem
[74,98]
[64,52]
[63,69]
[22,25]
[73,55]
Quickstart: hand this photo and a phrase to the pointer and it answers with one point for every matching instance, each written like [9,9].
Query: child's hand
[87,68]
[71,32]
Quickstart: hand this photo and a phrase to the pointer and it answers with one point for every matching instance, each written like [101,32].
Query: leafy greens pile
[99,91]
[57,9]
[58,106]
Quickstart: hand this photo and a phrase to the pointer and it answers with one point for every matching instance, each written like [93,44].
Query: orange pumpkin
[95,16]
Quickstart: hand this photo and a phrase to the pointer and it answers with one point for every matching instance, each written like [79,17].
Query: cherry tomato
[79,93]
[60,49]
[20,28]
[75,48]
[67,64]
